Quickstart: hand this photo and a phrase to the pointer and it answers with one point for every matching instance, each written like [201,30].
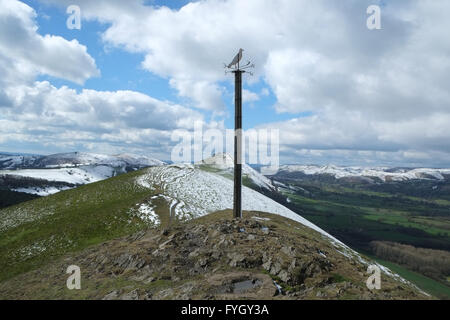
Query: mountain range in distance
[9,161]
[370,174]
[43,175]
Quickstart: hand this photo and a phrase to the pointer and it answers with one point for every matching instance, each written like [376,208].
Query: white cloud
[249,96]
[24,53]
[205,95]
[122,120]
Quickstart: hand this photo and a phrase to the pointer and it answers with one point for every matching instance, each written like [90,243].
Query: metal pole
[237,201]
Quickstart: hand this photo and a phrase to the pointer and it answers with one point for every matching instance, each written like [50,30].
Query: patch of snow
[260,218]
[41,191]
[81,175]
[147,213]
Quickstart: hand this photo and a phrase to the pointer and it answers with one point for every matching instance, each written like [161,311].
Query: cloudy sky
[138,70]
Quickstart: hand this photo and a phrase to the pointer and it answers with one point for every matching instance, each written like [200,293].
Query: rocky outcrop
[262,256]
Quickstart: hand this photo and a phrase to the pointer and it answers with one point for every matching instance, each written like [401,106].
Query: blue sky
[139,70]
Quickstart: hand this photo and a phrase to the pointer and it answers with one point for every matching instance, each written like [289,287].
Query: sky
[136,71]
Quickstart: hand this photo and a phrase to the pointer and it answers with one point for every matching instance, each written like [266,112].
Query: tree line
[429,262]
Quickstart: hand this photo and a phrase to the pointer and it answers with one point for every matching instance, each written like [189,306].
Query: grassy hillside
[39,231]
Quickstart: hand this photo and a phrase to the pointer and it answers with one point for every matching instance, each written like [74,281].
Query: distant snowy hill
[73,159]
[12,161]
[375,174]
[44,175]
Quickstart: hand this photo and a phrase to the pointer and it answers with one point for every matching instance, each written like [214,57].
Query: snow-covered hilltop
[193,192]
[383,173]
[74,159]
[13,161]
[44,175]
